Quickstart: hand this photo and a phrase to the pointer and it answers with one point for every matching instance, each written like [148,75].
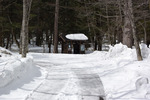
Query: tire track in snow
[28,96]
[74,84]
[79,87]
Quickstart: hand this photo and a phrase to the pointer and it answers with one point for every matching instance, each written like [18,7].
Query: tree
[24,30]
[56,27]
[1,24]
[127,30]
[130,28]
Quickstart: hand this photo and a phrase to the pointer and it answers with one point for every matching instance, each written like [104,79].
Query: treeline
[96,18]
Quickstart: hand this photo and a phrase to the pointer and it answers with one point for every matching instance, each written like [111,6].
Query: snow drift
[127,78]
[120,50]
[12,67]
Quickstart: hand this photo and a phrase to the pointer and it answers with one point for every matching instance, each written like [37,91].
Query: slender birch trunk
[24,30]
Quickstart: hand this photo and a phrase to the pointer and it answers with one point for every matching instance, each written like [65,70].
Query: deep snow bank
[5,52]
[12,67]
[126,78]
[122,51]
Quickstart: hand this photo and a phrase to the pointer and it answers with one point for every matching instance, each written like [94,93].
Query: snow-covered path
[113,75]
[57,77]
[67,79]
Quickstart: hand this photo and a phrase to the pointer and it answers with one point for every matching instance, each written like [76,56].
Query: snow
[13,69]
[140,82]
[144,50]
[78,36]
[112,75]
[15,73]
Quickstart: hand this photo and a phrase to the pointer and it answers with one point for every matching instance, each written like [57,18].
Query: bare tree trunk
[8,41]
[1,38]
[88,23]
[120,28]
[100,43]
[95,42]
[114,38]
[127,31]
[119,32]
[11,41]
[56,27]
[138,51]
[130,16]
[14,38]
[145,33]
[24,30]
[50,42]
[1,31]
[149,3]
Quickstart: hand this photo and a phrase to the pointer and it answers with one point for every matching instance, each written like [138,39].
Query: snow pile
[4,52]
[128,81]
[145,51]
[141,82]
[12,67]
[120,50]
[126,78]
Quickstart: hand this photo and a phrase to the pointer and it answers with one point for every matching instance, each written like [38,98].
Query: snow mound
[117,49]
[4,52]
[145,51]
[142,88]
[120,50]
[13,69]
[140,82]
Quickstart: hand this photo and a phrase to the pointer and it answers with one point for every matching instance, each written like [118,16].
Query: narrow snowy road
[57,77]
[66,80]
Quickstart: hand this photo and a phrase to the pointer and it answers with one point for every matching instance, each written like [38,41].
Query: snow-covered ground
[113,75]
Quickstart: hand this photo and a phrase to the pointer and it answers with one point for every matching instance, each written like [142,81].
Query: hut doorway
[76,48]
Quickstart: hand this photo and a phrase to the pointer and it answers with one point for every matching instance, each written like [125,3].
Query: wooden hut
[73,43]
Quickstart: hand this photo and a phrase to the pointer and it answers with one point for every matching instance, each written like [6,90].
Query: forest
[111,21]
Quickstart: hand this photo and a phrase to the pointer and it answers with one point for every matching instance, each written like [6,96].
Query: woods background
[113,21]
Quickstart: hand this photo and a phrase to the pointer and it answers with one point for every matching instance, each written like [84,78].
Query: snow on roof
[77,36]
